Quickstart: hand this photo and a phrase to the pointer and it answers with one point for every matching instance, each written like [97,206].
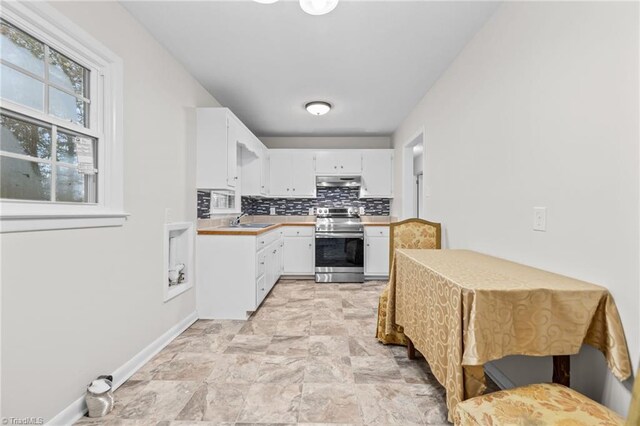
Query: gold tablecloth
[462,309]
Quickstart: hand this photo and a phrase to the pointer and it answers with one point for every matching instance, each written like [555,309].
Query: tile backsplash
[204,204]
[325,197]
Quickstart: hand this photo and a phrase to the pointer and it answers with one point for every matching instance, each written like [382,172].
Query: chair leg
[562,370]
[411,350]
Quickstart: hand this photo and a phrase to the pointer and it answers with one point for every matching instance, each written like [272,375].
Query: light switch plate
[272,211]
[168,216]
[540,219]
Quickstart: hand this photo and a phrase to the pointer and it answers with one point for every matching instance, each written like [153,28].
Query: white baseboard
[498,376]
[77,409]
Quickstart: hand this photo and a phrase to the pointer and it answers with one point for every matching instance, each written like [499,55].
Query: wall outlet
[540,219]
[272,211]
[312,211]
[361,210]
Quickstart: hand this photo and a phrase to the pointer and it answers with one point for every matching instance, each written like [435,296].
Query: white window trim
[44,22]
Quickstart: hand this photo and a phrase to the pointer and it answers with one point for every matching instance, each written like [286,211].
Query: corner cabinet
[292,173]
[377,173]
[219,134]
[376,252]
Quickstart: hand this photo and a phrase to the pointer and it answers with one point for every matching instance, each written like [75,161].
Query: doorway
[413,172]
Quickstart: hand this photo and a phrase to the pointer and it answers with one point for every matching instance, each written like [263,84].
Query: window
[60,124]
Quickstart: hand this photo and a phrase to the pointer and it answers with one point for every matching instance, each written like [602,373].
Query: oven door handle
[339,235]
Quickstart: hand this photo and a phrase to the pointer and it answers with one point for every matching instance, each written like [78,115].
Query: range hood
[338,181]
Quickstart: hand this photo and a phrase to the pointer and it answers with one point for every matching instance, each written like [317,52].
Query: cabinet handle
[342,167]
[310,245]
[274,252]
[368,245]
[335,167]
[287,189]
[261,242]
[262,263]
[235,178]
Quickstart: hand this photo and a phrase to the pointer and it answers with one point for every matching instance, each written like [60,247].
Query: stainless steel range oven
[339,246]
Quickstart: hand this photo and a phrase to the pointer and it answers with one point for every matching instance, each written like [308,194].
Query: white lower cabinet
[376,251]
[298,251]
[236,272]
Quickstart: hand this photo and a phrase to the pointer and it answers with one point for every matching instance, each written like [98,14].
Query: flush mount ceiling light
[318,107]
[318,7]
[265,1]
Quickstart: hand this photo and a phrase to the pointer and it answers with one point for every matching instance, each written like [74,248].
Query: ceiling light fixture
[265,1]
[318,7]
[318,107]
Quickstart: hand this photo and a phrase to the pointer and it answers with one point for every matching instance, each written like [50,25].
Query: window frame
[45,23]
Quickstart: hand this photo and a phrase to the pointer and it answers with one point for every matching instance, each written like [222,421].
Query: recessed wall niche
[178,259]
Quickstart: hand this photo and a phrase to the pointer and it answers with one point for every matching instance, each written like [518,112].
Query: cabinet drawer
[298,231]
[266,239]
[376,231]
[261,290]
[261,262]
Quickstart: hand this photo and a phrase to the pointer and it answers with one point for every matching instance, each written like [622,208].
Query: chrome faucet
[236,221]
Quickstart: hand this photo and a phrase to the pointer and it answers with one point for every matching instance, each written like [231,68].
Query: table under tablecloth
[462,309]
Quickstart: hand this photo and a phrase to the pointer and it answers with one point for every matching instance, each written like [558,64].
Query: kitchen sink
[252,225]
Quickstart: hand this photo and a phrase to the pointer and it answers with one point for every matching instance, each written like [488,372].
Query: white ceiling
[372,60]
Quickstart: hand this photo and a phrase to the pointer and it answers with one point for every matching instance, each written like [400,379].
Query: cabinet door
[261,289]
[233,137]
[298,256]
[349,162]
[338,161]
[264,184]
[303,179]
[376,256]
[272,266]
[280,173]
[377,174]
[326,163]
[280,259]
[211,163]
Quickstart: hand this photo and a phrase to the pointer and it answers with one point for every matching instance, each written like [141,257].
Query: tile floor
[307,356]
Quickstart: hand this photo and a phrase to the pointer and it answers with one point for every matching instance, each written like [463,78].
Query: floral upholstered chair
[410,234]
[542,404]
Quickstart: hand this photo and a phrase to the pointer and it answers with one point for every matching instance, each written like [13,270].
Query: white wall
[79,303]
[329,142]
[541,109]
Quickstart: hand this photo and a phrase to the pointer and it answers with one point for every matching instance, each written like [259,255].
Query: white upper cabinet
[266,166]
[255,170]
[219,137]
[292,173]
[339,161]
[213,140]
[226,148]
[234,136]
[377,173]
[280,173]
